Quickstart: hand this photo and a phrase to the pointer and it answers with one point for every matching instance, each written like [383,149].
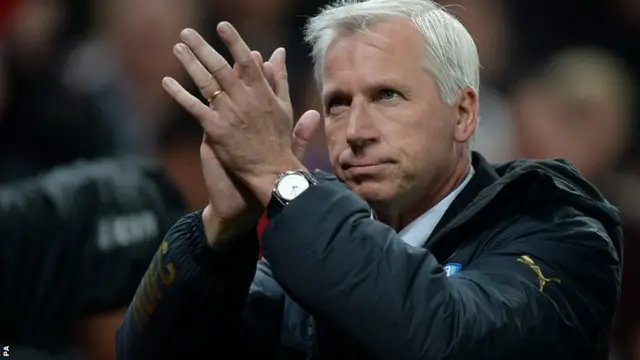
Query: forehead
[391,49]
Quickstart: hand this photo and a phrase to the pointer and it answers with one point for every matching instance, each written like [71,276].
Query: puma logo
[542,281]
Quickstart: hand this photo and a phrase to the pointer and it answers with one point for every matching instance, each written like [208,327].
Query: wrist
[212,228]
[219,233]
[262,184]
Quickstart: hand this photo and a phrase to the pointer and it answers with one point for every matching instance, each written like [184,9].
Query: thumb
[306,126]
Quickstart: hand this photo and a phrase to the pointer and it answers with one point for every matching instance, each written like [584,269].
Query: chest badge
[452,269]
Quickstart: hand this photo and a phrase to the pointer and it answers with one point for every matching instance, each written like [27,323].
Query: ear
[467,108]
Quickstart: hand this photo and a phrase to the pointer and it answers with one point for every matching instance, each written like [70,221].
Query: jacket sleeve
[191,302]
[397,302]
[76,240]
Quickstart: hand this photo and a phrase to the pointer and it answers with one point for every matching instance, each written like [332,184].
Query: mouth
[365,169]
[356,166]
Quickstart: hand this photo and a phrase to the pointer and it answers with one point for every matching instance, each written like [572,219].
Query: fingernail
[224,27]
[179,49]
[188,34]
[282,54]
[167,82]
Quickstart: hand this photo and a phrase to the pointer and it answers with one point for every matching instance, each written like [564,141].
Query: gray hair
[451,56]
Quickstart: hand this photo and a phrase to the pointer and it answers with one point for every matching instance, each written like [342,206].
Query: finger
[269,74]
[250,72]
[206,83]
[279,63]
[306,126]
[190,103]
[212,60]
[257,57]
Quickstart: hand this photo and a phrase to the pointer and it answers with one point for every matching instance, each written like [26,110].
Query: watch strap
[274,208]
[276,203]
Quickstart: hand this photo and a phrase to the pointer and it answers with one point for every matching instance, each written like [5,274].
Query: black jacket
[525,264]
[75,242]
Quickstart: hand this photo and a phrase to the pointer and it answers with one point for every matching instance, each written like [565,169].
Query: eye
[387,94]
[335,104]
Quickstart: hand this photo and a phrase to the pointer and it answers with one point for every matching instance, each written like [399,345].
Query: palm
[225,199]
[228,198]
[231,206]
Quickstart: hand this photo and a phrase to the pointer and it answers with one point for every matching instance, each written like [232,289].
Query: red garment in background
[7,7]
[262,224]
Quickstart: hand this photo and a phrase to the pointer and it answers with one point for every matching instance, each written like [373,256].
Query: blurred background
[80,79]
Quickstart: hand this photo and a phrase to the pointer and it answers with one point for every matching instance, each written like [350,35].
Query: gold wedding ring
[213,96]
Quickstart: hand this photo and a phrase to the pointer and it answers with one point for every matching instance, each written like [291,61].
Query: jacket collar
[467,204]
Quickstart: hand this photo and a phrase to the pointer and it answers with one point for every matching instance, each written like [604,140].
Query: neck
[402,216]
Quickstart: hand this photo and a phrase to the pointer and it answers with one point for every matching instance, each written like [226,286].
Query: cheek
[335,139]
[335,147]
[419,151]
[413,155]
[406,139]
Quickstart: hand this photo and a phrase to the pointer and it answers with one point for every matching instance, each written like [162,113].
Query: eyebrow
[376,85]
[333,93]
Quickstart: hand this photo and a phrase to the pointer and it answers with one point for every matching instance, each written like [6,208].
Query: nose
[361,131]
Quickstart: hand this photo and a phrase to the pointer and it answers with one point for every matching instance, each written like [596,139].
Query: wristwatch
[290,184]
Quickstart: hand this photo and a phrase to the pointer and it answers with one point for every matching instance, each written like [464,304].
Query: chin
[375,192]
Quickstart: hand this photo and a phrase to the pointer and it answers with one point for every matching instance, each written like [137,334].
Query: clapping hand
[248,127]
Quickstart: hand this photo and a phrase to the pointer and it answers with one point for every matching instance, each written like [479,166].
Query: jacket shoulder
[580,253]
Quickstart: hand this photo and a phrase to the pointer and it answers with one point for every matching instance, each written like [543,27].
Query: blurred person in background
[34,28]
[628,21]
[582,107]
[42,122]
[76,236]
[486,21]
[75,242]
[119,64]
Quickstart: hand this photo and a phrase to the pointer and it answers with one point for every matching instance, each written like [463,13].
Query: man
[467,260]
[75,241]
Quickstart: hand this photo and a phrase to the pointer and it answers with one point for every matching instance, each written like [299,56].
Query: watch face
[292,185]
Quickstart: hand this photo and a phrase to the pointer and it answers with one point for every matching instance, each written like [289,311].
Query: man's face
[390,136]
[142,35]
[588,131]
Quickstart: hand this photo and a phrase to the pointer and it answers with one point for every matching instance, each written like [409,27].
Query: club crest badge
[452,268]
